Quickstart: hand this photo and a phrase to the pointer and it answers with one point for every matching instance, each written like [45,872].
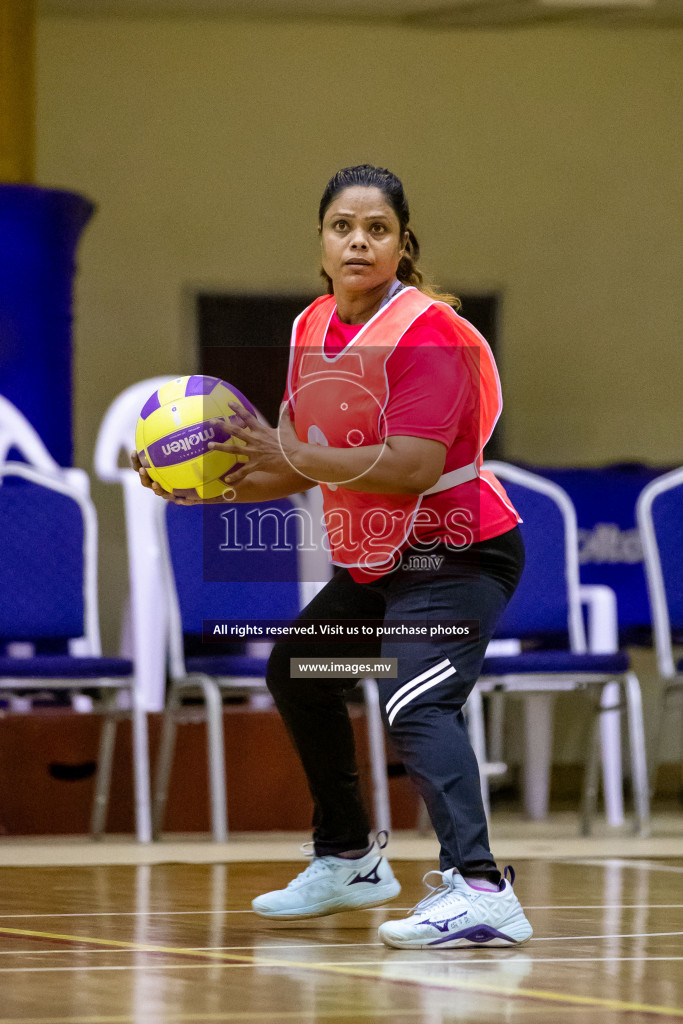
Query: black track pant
[434,679]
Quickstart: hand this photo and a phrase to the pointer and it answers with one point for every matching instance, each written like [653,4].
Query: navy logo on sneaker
[442,926]
[372,876]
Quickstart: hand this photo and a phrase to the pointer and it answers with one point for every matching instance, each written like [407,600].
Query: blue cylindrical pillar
[39,232]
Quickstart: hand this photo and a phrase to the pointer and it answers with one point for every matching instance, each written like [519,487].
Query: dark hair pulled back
[368,176]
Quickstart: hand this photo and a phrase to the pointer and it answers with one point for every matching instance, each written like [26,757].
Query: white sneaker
[331,884]
[455,914]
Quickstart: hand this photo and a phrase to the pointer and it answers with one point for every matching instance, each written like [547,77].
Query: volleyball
[175,427]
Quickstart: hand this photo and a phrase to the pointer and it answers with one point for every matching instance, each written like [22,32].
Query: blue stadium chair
[659,513]
[546,614]
[48,581]
[203,582]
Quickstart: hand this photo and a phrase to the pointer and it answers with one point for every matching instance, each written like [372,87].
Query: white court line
[64,952]
[404,965]
[274,947]
[608,906]
[334,963]
[130,967]
[134,913]
[366,910]
[623,863]
[626,935]
[175,913]
[313,946]
[531,960]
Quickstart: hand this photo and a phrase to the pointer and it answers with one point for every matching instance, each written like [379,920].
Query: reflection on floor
[175,943]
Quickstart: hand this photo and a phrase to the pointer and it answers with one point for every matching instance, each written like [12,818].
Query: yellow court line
[351,972]
[208,1018]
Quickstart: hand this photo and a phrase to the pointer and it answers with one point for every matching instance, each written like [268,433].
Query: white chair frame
[212,689]
[144,624]
[17,432]
[539,691]
[671,679]
[90,645]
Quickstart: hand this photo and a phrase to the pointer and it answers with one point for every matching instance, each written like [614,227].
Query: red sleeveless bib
[340,401]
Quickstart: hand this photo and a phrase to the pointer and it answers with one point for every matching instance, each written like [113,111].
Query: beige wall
[542,162]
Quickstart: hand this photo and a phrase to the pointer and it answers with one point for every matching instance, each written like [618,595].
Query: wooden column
[17,90]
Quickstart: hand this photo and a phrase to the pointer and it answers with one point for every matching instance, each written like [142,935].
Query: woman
[390,399]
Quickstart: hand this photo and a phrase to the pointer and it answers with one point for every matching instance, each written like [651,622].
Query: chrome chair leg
[474,715]
[216,757]
[378,756]
[164,759]
[143,810]
[591,780]
[639,775]
[105,759]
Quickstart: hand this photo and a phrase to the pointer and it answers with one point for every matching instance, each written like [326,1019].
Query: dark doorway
[262,323]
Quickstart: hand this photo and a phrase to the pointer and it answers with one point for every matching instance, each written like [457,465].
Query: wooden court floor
[170,943]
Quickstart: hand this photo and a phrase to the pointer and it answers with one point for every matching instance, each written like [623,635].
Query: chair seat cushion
[228,665]
[550,662]
[62,666]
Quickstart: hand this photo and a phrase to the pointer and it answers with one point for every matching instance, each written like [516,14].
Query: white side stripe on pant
[420,689]
[414,682]
[412,688]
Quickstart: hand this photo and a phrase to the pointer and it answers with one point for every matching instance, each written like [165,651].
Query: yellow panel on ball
[175,427]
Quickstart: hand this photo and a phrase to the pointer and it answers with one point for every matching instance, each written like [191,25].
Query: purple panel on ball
[150,405]
[199,385]
[188,443]
[144,461]
[242,400]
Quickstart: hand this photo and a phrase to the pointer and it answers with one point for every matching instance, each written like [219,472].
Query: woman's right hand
[152,485]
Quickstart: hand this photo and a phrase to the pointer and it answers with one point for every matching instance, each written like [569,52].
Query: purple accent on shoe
[508,872]
[484,888]
[150,405]
[201,385]
[479,934]
[442,926]
[187,443]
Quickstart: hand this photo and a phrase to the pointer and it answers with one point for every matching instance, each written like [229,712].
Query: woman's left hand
[267,449]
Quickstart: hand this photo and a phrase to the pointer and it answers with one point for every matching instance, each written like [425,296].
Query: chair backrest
[218,568]
[659,514]
[146,609]
[144,614]
[117,430]
[19,436]
[48,559]
[16,432]
[547,599]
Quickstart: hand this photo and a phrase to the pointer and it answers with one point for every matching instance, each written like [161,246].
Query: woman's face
[361,240]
